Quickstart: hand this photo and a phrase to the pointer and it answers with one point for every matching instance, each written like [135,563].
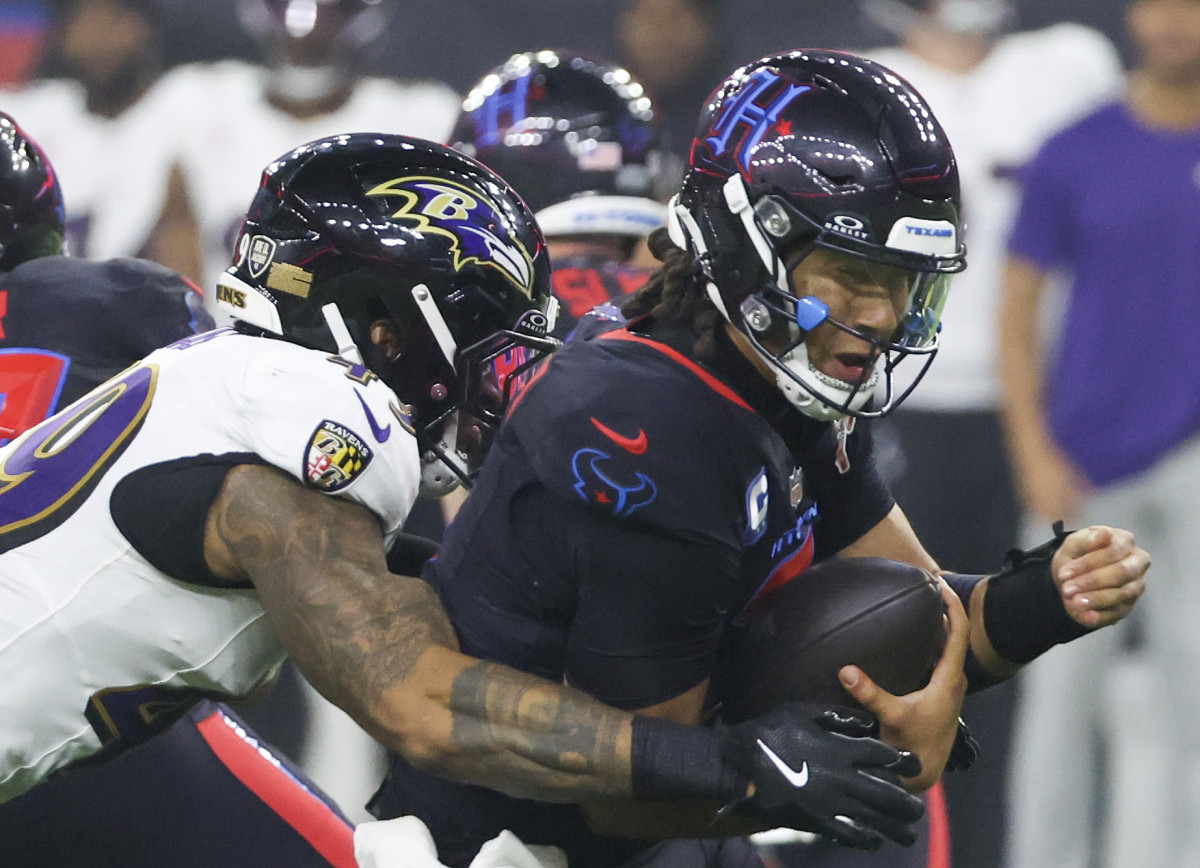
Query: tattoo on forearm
[575,739]
[358,633]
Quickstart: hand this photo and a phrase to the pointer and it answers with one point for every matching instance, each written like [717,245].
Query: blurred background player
[999,92]
[311,84]
[579,140]
[68,324]
[98,109]
[678,50]
[1105,416]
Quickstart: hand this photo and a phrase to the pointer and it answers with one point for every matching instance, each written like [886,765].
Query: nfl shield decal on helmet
[454,211]
[336,457]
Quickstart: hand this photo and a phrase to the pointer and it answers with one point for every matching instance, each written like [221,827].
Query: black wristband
[1023,611]
[978,678]
[672,761]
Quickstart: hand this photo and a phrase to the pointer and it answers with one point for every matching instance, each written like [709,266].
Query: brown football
[884,616]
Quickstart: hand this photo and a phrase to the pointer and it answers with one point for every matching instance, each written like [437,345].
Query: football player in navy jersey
[579,140]
[657,477]
[215,521]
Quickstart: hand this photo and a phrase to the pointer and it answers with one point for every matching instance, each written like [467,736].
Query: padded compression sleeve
[162,509]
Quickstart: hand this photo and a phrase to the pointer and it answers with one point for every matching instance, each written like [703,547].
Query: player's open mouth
[850,368]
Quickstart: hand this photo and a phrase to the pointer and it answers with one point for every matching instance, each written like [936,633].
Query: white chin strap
[836,392]
[437,476]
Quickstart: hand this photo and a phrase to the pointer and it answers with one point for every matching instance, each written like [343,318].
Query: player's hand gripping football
[819,770]
[1100,572]
[926,721]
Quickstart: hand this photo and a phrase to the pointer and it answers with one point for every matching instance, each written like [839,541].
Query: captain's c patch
[336,456]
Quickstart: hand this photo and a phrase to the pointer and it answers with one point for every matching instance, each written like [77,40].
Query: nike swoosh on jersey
[382,433]
[797,779]
[634,445]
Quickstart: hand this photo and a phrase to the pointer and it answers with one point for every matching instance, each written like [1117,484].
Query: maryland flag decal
[336,457]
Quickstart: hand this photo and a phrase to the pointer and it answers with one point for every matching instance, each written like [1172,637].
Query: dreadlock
[676,293]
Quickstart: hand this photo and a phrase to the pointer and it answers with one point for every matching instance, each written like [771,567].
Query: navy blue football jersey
[636,503]
[67,325]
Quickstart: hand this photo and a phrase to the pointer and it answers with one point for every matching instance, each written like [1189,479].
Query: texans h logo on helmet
[744,113]
[448,209]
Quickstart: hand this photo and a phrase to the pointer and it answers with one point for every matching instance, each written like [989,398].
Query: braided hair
[676,294]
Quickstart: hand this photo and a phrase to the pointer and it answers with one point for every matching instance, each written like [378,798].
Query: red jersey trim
[675,356]
[315,821]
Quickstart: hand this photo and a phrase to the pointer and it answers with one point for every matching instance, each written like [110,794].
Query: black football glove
[820,770]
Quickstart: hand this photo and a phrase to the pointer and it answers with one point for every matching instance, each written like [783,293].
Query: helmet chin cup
[816,395]
[443,467]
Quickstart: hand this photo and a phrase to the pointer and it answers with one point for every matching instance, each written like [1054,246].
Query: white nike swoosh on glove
[796,778]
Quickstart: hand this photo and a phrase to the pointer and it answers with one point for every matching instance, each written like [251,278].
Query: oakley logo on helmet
[844,224]
[745,114]
[448,209]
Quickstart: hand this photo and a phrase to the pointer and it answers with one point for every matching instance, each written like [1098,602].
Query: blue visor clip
[811,312]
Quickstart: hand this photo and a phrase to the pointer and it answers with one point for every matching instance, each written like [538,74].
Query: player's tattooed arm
[381,647]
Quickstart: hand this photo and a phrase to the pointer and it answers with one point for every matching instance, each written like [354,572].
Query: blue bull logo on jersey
[595,486]
[743,114]
[476,227]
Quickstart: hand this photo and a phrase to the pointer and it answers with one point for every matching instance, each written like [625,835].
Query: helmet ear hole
[384,334]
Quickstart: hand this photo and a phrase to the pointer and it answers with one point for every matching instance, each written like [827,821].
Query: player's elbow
[413,718]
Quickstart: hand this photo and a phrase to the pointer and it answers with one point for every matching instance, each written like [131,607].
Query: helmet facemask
[457,417]
[776,318]
[778,324]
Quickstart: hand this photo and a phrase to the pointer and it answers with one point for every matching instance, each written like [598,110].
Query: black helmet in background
[578,139]
[32,218]
[356,228]
[820,149]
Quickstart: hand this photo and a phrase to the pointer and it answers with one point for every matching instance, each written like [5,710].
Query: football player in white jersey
[149,527]
[240,115]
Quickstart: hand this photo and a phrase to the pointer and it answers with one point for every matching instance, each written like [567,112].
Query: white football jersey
[233,132]
[94,640]
[113,171]
[1031,85]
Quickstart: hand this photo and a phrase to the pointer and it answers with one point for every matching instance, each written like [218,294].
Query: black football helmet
[820,149]
[576,137]
[353,229]
[32,218]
